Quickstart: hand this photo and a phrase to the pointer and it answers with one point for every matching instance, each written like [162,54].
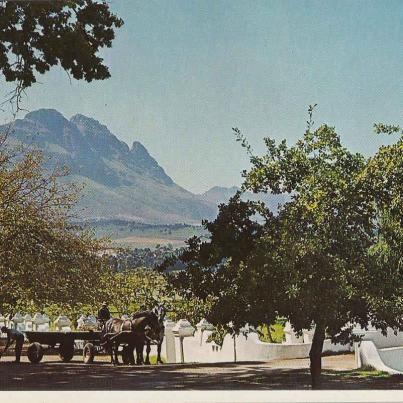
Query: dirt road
[276,375]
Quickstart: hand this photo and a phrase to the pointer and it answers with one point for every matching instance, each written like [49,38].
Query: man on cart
[103,314]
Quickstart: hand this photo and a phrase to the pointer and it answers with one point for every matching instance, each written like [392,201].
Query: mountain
[217,195]
[121,182]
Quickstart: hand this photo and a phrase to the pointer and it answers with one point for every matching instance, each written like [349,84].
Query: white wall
[250,348]
[381,341]
[384,353]
[392,357]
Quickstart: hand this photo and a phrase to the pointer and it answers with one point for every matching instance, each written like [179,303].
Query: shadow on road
[251,376]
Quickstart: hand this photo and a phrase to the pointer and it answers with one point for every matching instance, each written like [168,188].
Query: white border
[370,396]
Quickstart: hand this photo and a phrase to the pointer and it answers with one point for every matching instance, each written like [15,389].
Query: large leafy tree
[43,258]
[36,35]
[313,262]
[324,233]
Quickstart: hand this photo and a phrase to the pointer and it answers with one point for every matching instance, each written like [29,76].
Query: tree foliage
[384,177]
[215,269]
[43,258]
[36,35]
[330,258]
[144,288]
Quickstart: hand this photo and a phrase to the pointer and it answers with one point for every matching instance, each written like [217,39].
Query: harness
[130,326]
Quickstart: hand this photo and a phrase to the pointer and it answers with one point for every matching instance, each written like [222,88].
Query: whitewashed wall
[243,348]
[381,341]
[384,353]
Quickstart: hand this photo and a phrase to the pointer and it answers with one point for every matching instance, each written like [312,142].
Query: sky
[184,73]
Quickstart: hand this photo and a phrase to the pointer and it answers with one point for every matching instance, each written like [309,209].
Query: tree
[36,35]
[312,262]
[323,235]
[216,271]
[43,258]
[131,290]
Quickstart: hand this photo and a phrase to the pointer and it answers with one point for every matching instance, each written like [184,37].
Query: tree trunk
[269,334]
[315,355]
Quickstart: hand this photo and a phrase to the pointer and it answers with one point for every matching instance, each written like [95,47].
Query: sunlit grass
[366,371]
[153,359]
[276,334]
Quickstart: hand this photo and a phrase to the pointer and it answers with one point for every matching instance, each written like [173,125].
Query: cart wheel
[35,352]
[88,353]
[66,351]
[126,355]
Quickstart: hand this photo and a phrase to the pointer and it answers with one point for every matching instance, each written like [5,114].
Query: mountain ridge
[121,182]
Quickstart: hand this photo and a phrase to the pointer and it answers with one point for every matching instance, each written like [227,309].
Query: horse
[141,328]
[160,313]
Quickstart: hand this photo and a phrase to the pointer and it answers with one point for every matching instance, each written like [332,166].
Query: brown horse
[143,327]
[160,312]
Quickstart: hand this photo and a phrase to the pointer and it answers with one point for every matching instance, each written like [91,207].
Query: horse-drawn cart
[127,335]
[64,342]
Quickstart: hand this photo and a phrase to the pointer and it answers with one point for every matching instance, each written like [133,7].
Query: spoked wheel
[66,351]
[88,353]
[35,352]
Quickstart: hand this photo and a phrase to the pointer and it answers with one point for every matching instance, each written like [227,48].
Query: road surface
[51,374]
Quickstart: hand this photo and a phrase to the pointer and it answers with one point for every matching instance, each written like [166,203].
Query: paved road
[276,375]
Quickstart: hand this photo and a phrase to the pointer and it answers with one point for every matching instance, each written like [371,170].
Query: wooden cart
[64,342]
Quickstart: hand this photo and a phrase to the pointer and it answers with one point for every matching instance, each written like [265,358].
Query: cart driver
[104,314]
[13,335]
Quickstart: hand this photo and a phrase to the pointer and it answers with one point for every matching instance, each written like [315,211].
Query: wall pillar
[170,342]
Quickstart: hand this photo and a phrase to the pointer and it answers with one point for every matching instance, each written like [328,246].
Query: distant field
[147,242]
[138,235]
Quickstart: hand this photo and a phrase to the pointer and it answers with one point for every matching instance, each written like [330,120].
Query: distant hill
[218,195]
[121,182]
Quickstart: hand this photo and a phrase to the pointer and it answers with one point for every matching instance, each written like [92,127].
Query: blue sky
[185,72]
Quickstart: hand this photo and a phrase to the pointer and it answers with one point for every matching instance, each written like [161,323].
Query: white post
[202,326]
[234,347]
[40,322]
[169,342]
[182,353]
[2,321]
[28,322]
[183,329]
[18,321]
[357,355]
[63,323]
[290,336]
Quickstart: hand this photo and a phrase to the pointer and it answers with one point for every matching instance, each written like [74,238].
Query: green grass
[274,335]
[153,359]
[366,371]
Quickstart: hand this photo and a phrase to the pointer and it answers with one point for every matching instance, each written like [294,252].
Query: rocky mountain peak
[89,125]
[139,150]
[141,158]
[99,136]
[49,118]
